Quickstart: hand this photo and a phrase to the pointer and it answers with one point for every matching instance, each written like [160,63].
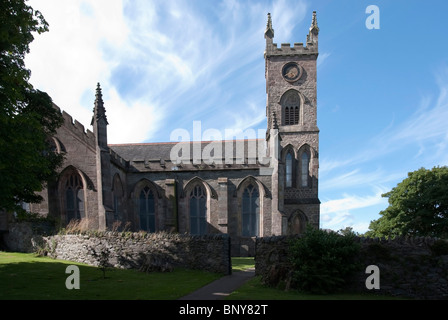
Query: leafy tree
[418,206]
[27,116]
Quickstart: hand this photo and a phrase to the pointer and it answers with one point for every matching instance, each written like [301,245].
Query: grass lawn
[242,263]
[28,277]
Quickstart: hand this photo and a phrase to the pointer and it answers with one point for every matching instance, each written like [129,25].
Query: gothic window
[147,210]
[291,108]
[289,169]
[305,169]
[250,212]
[118,196]
[198,211]
[74,198]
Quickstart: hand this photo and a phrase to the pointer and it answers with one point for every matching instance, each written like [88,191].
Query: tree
[418,206]
[28,118]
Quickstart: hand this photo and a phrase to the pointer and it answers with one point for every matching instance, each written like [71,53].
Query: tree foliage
[323,261]
[28,118]
[418,206]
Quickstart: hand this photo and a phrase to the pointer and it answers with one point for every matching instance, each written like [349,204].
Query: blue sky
[382,94]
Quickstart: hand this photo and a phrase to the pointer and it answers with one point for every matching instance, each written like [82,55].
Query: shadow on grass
[38,278]
[254,289]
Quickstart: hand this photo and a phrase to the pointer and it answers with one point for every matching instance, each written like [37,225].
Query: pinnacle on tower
[314,22]
[314,29]
[99,111]
[269,33]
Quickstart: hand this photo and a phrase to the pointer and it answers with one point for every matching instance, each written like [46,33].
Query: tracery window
[305,169]
[118,196]
[198,211]
[147,210]
[289,169]
[74,198]
[250,212]
[291,109]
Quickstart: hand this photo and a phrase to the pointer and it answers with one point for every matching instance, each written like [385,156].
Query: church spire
[99,119]
[99,112]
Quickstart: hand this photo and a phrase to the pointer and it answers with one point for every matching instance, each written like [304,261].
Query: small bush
[322,261]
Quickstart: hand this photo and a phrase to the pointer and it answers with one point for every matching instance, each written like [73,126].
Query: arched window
[147,210]
[74,198]
[118,198]
[198,211]
[305,169]
[250,212]
[289,169]
[291,108]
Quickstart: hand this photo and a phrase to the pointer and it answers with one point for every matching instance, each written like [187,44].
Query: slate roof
[157,156]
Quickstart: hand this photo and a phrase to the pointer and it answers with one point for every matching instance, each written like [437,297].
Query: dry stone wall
[128,250]
[144,251]
[409,267]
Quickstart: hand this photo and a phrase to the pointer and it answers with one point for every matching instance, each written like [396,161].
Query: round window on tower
[292,72]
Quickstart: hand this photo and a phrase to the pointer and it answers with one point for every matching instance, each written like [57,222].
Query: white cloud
[355,178]
[322,58]
[343,212]
[169,61]
[67,61]
[130,122]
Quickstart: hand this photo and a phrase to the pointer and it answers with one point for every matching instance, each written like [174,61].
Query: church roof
[229,154]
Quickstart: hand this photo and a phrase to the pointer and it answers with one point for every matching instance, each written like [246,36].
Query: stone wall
[409,267]
[26,236]
[144,250]
[128,250]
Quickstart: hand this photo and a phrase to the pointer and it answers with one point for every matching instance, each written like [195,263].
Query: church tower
[291,111]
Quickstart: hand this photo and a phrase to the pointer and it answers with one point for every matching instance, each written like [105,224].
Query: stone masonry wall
[409,267]
[128,250]
[142,250]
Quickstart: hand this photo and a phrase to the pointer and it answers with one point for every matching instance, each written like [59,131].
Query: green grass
[28,277]
[255,290]
[242,263]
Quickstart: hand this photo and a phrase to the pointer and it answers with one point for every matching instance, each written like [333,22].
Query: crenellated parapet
[285,49]
[76,128]
[118,160]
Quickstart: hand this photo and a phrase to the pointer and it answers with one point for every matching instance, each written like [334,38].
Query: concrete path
[221,288]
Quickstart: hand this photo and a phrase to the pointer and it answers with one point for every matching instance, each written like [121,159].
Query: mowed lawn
[29,277]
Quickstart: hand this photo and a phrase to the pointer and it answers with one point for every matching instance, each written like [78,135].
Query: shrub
[102,256]
[322,261]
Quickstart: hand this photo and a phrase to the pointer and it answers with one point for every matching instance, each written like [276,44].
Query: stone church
[141,185]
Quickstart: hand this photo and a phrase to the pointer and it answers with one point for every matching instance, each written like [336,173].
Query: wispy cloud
[425,131]
[339,213]
[423,136]
[169,62]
